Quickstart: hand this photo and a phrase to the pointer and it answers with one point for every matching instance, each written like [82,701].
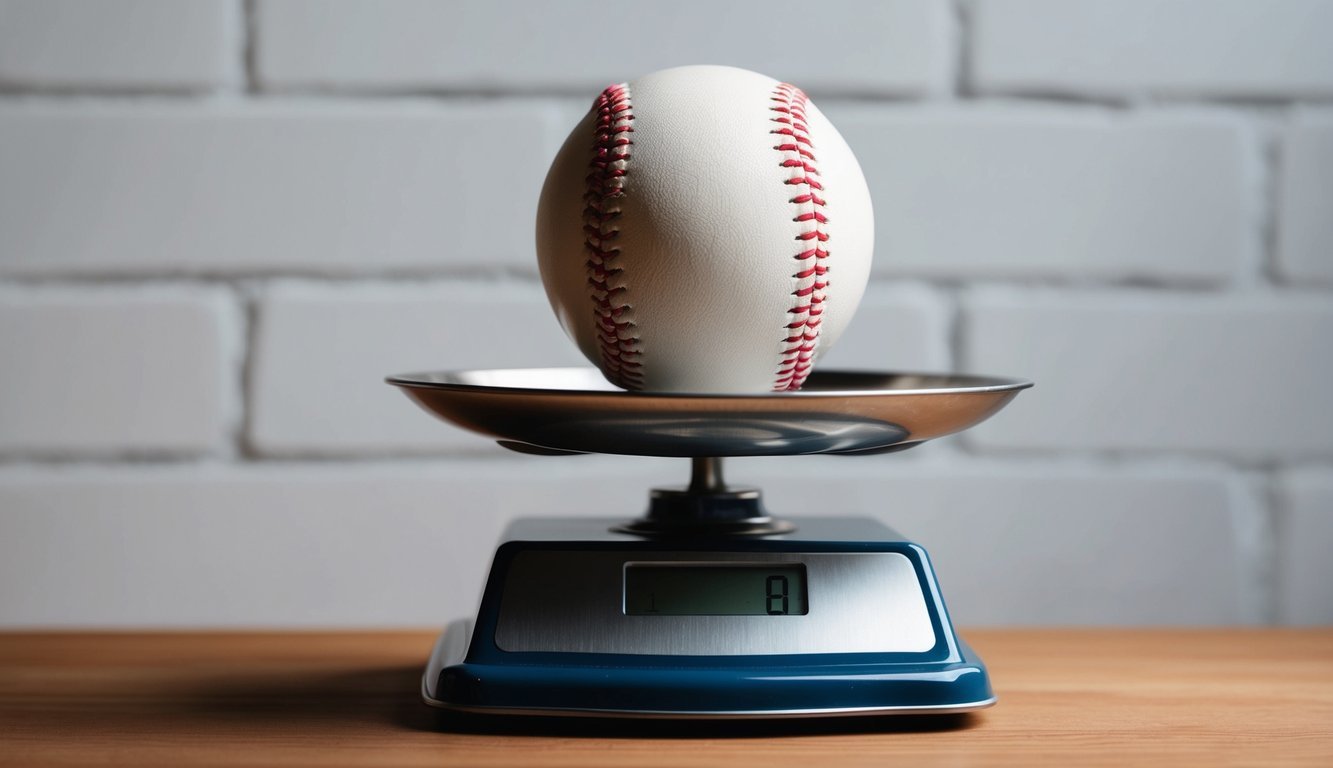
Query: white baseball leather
[703,226]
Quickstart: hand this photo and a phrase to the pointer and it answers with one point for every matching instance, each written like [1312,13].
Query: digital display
[668,589]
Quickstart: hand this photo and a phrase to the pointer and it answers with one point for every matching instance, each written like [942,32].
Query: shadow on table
[390,696]
[303,698]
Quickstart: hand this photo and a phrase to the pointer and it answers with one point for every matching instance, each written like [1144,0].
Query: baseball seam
[805,316]
[617,334]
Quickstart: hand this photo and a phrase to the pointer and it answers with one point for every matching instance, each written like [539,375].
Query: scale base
[487,666]
[929,689]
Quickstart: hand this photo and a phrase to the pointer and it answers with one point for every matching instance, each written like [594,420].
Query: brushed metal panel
[572,601]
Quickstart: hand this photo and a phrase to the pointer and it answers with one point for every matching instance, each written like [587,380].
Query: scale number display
[689,589]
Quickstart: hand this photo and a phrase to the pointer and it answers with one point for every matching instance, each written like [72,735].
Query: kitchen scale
[707,606]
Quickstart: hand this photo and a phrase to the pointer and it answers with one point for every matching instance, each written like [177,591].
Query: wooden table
[1231,697]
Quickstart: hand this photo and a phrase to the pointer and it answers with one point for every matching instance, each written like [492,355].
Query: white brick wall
[1305,529]
[125,45]
[1040,192]
[90,373]
[1305,220]
[321,355]
[267,187]
[578,46]
[311,545]
[1037,542]
[1245,378]
[1129,48]
[223,222]
[899,327]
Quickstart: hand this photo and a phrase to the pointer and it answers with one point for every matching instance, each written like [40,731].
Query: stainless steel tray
[575,410]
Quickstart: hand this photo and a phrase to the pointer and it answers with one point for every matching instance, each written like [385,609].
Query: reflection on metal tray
[575,410]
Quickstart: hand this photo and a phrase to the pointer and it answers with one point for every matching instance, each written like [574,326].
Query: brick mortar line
[961,15]
[524,278]
[956,330]
[236,351]
[16,466]
[252,88]
[247,297]
[1125,286]
[87,278]
[1115,456]
[244,458]
[1145,289]
[249,49]
[1017,105]
[1150,100]
[1265,553]
[413,104]
[13,92]
[1269,159]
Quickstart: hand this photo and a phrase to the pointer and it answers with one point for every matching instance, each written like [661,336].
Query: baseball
[704,229]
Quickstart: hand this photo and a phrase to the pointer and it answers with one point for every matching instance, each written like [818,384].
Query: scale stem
[706,475]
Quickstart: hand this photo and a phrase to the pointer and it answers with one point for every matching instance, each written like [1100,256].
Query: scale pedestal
[707,606]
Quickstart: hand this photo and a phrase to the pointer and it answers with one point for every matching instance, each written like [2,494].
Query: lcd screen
[743,589]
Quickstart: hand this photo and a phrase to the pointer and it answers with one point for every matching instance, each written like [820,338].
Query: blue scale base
[470,671]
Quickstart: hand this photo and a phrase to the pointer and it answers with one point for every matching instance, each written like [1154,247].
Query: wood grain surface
[1067,697]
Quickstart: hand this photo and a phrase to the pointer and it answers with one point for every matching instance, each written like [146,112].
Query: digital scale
[707,606]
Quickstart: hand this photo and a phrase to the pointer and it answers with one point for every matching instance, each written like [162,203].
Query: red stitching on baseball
[798,154]
[617,335]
